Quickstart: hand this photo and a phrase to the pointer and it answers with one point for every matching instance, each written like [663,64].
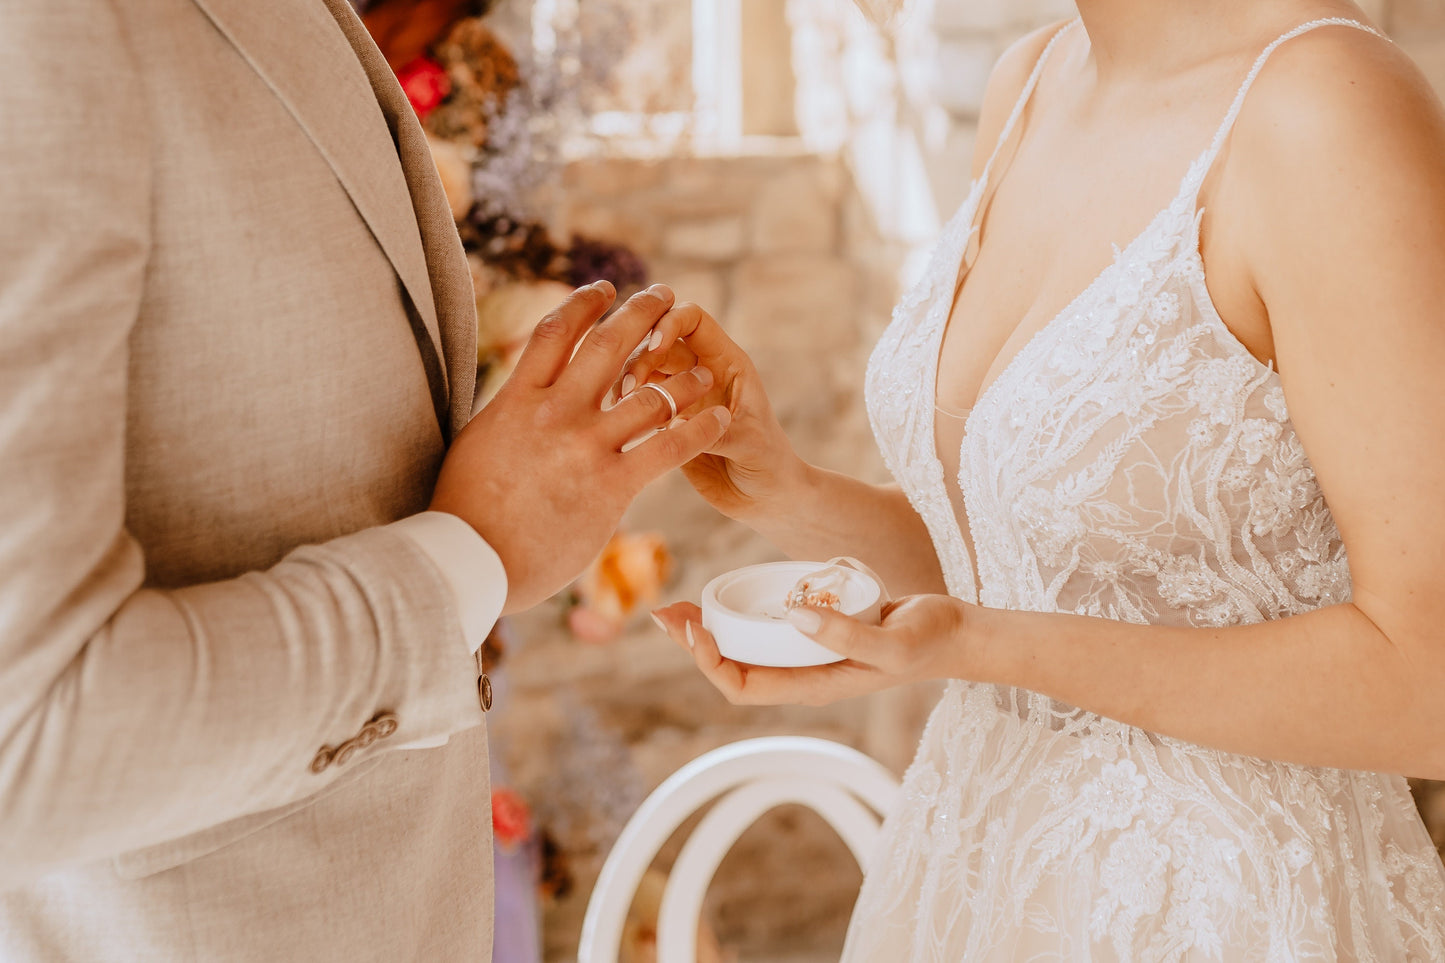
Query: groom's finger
[554,339]
[677,446]
[646,407]
[604,353]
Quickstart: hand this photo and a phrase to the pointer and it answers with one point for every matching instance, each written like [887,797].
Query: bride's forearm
[1326,688]
[826,514]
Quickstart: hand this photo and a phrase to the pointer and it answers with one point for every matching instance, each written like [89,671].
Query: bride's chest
[1130,438]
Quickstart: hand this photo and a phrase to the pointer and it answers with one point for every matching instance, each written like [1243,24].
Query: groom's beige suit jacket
[236,330]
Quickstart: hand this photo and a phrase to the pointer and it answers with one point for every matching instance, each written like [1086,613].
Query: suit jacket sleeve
[130,716]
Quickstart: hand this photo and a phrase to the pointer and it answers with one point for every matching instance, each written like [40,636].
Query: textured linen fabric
[221,228]
[1133,461]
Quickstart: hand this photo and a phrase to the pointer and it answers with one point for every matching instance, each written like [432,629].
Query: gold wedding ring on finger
[667,396]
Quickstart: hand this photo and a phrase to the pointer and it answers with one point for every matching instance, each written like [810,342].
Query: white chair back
[848,789]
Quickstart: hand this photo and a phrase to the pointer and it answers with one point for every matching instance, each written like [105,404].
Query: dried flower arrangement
[498,121]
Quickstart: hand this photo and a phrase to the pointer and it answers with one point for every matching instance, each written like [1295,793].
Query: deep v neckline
[961,273]
[960,516]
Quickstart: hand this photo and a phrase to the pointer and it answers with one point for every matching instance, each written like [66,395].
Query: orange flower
[628,574]
[511,819]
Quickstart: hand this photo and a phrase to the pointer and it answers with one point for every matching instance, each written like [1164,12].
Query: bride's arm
[1340,166]
[830,514]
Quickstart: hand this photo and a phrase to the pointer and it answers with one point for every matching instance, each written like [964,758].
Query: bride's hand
[921,637]
[754,464]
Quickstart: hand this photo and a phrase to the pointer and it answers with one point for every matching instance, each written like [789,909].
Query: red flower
[426,84]
[511,819]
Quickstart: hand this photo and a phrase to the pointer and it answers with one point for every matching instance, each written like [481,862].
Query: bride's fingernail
[657,621]
[805,621]
[656,341]
[687,630]
[628,383]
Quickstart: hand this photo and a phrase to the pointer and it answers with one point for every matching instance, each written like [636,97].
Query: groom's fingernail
[805,621]
[687,630]
[628,383]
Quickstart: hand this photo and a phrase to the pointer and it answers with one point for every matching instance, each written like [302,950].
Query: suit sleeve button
[345,752]
[484,692]
[384,724]
[323,759]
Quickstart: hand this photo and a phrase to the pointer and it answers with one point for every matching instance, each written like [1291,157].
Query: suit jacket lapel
[451,277]
[309,61]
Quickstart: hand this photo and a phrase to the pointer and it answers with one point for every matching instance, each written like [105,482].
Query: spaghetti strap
[1202,166]
[1023,98]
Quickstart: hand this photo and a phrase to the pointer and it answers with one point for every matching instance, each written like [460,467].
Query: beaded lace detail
[1132,462]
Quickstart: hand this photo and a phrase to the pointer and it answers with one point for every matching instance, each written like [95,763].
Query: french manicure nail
[687,630]
[805,621]
[656,341]
[628,383]
[657,621]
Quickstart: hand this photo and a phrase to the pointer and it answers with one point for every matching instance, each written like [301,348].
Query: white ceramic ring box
[746,613]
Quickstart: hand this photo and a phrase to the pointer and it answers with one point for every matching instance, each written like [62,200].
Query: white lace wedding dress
[1133,462]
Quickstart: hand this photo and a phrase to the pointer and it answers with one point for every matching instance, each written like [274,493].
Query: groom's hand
[540,472]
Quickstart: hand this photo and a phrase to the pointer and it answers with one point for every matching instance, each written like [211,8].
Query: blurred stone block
[974,16]
[963,69]
[797,213]
[699,284]
[791,308]
[612,177]
[713,239]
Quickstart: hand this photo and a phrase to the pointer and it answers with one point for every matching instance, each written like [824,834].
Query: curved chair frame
[848,789]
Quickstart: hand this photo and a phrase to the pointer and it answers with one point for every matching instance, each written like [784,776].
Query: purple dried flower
[594,260]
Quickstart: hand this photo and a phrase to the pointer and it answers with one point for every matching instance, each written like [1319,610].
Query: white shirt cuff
[468,564]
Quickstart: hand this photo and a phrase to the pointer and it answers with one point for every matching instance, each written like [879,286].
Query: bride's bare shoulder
[1335,180]
[1343,95]
[1005,83]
